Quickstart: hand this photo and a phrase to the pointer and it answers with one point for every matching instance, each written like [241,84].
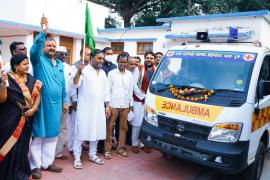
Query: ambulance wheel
[254,171]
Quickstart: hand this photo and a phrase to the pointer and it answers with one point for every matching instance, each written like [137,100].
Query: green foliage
[144,13]
[253,5]
[175,8]
[110,22]
[127,8]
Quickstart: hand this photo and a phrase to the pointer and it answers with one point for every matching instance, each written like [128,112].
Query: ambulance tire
[254,171]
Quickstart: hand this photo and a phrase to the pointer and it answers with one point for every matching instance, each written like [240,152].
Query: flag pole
[83,48]
[84,39]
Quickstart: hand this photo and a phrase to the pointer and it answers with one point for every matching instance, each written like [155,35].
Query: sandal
[36,173]
[135,149]
[107,155]
[122,152]
[96,160]
[146,149]
[77,164]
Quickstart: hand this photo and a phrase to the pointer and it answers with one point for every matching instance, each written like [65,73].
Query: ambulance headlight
[225,132]
[151,116]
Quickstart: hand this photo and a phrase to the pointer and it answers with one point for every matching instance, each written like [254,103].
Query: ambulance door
[261,114]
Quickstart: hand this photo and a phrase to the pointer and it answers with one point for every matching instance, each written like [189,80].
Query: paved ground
[140,166]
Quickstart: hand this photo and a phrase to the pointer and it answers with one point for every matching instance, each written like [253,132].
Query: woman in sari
[19,100]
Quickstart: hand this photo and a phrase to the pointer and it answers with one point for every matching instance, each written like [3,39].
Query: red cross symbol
[248,57]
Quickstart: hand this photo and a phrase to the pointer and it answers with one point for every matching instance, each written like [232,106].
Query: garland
[184,94]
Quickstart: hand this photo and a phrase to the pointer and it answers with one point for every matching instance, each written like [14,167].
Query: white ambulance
[210,104]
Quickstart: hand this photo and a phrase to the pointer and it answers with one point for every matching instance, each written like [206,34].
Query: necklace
[20,79]
[184,94]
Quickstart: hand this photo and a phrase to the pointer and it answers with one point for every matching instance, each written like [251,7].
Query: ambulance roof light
[233,34]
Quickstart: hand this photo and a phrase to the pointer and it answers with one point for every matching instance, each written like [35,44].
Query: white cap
[61,49]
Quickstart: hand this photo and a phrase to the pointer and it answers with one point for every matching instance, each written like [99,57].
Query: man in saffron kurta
[46,123]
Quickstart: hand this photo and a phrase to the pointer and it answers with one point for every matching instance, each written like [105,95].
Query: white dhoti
[42,152]
[62,135]
[70,130]
[135,136]
[136,123]
[77,149]
[138,114]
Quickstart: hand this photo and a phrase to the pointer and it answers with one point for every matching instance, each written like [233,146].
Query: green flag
[89,36]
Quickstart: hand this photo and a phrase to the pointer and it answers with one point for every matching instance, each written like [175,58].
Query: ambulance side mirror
[263,89]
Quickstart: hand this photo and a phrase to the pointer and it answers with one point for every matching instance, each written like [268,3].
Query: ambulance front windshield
[215,70]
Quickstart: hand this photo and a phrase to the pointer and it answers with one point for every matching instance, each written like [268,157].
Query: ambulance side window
[264,72]
[265,69]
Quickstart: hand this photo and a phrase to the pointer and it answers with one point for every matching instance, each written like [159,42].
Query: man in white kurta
[93,93]
[74,98]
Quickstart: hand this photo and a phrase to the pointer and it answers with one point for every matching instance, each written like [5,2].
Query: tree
[110,22]
[165,9]
[145,12]
[175,8]
[127,8]
[253,5]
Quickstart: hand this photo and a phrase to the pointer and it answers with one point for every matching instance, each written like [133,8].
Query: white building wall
[29,39]
[101,46]
[133,34]
[76,49]
[63,15]
[159,45]
[131,46]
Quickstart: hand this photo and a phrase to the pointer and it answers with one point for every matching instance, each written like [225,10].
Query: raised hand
[44,24]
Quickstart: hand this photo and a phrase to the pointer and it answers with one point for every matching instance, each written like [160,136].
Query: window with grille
[118,47]
[143,47]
